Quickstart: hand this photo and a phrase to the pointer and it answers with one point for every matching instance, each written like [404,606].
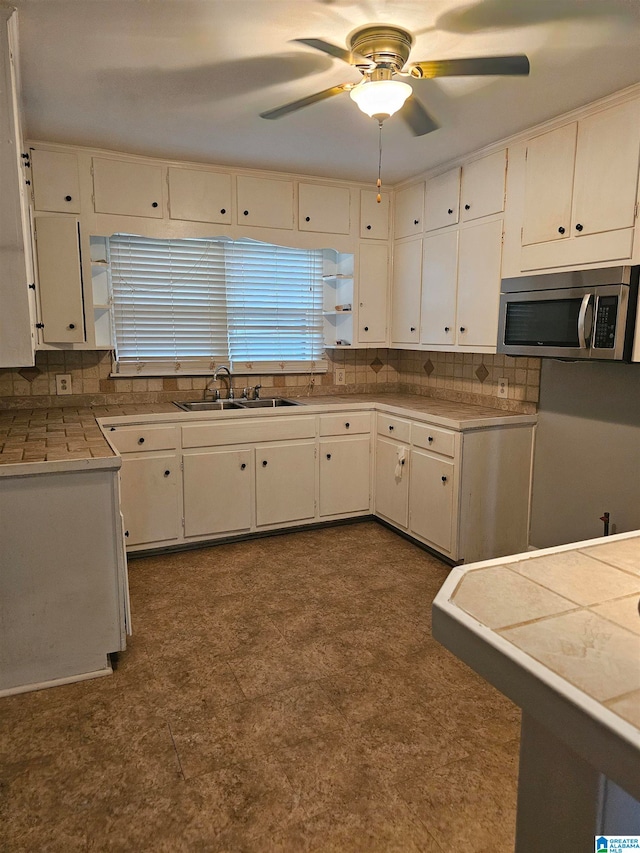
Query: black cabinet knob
[328,456]
[446,328]
[154,204]
[347,425]
[366,328]
[430,439]
[390,429]
[402,461]
[243,466]
[112,429]
[416,221]
[467,207]
[579,227]
[67,198]
[307,219]
[462,329]
[368,228]
[166,473]
[413,328]
[245,212]
[450,210]
[264,463]
[223,210]
[444,479]
[71,326]
[141,441]
[561,230]
[126,533]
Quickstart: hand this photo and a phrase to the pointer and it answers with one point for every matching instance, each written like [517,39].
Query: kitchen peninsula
[558,632]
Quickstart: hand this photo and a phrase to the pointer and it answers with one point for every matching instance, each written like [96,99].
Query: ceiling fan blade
[479,65]
[347,56]
[278,112]
[417,117]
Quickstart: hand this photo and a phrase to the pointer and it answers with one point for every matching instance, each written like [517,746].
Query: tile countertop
[73,435]
[565,619]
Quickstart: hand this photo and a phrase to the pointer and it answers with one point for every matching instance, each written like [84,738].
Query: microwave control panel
[605,326]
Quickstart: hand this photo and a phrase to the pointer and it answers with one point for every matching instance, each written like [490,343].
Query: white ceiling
[187,79]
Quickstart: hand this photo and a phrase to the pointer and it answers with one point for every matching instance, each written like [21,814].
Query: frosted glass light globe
[380,97]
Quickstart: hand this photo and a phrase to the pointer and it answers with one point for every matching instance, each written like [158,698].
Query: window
[183,305]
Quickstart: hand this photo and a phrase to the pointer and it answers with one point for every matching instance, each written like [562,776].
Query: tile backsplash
[469,377]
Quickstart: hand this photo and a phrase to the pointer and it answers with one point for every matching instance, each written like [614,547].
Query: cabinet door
[431,499]
[405,294]
[479,259]
[439,282]
[549,186]
[324,209]
[373,271]
[483,186]
[129,189]
[56,181]
[199,196]
[217,491]
[149,492]
[442,200]
[344,475]
[59,279]
[409,210]
[392,481]
[264,203]
[606,176]
[374,216]
[285,482]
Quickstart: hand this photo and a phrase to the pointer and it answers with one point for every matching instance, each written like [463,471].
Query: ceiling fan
[381,53]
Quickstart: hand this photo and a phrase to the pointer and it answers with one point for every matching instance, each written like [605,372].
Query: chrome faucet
[224,369]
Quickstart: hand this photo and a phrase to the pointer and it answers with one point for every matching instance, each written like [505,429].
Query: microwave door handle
[582,315]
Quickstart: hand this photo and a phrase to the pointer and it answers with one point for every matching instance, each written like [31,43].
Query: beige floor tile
[622,611]
[624,554]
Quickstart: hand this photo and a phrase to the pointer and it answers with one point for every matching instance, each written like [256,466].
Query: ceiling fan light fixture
[380,98]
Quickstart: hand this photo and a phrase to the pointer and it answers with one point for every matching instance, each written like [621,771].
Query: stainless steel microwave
[580,314]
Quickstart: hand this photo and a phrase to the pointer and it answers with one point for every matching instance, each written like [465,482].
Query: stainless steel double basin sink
[218,405]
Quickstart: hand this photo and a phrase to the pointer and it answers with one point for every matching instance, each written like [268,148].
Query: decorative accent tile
[428,367]
[482,373]
[376,365]
[30,373]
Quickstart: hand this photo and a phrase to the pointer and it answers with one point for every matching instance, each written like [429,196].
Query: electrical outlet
[63,383]
[503,387]
[340,376]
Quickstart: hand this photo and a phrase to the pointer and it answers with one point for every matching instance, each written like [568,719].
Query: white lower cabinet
[217,491]
[285,482]
[431,494]
[344,475]
[392,481]
[149,490]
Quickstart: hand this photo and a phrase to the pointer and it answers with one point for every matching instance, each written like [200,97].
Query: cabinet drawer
[136,439]
[394,427]
[245,431]
[345,424]
[434,438]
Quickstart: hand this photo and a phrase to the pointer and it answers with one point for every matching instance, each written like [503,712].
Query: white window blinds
[184,305]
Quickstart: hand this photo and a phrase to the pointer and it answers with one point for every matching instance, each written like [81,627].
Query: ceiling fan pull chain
[379,181]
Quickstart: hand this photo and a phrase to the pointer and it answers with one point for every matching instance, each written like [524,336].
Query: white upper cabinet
[59,279]
[374,215]
[479,260]
[199,196]
[483,186]
[439,282]
[264,203]
[441,201]
[56,181]
[373,273]
[409,211]
[127,188]
[582,179]
[405,293]
[324,209]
